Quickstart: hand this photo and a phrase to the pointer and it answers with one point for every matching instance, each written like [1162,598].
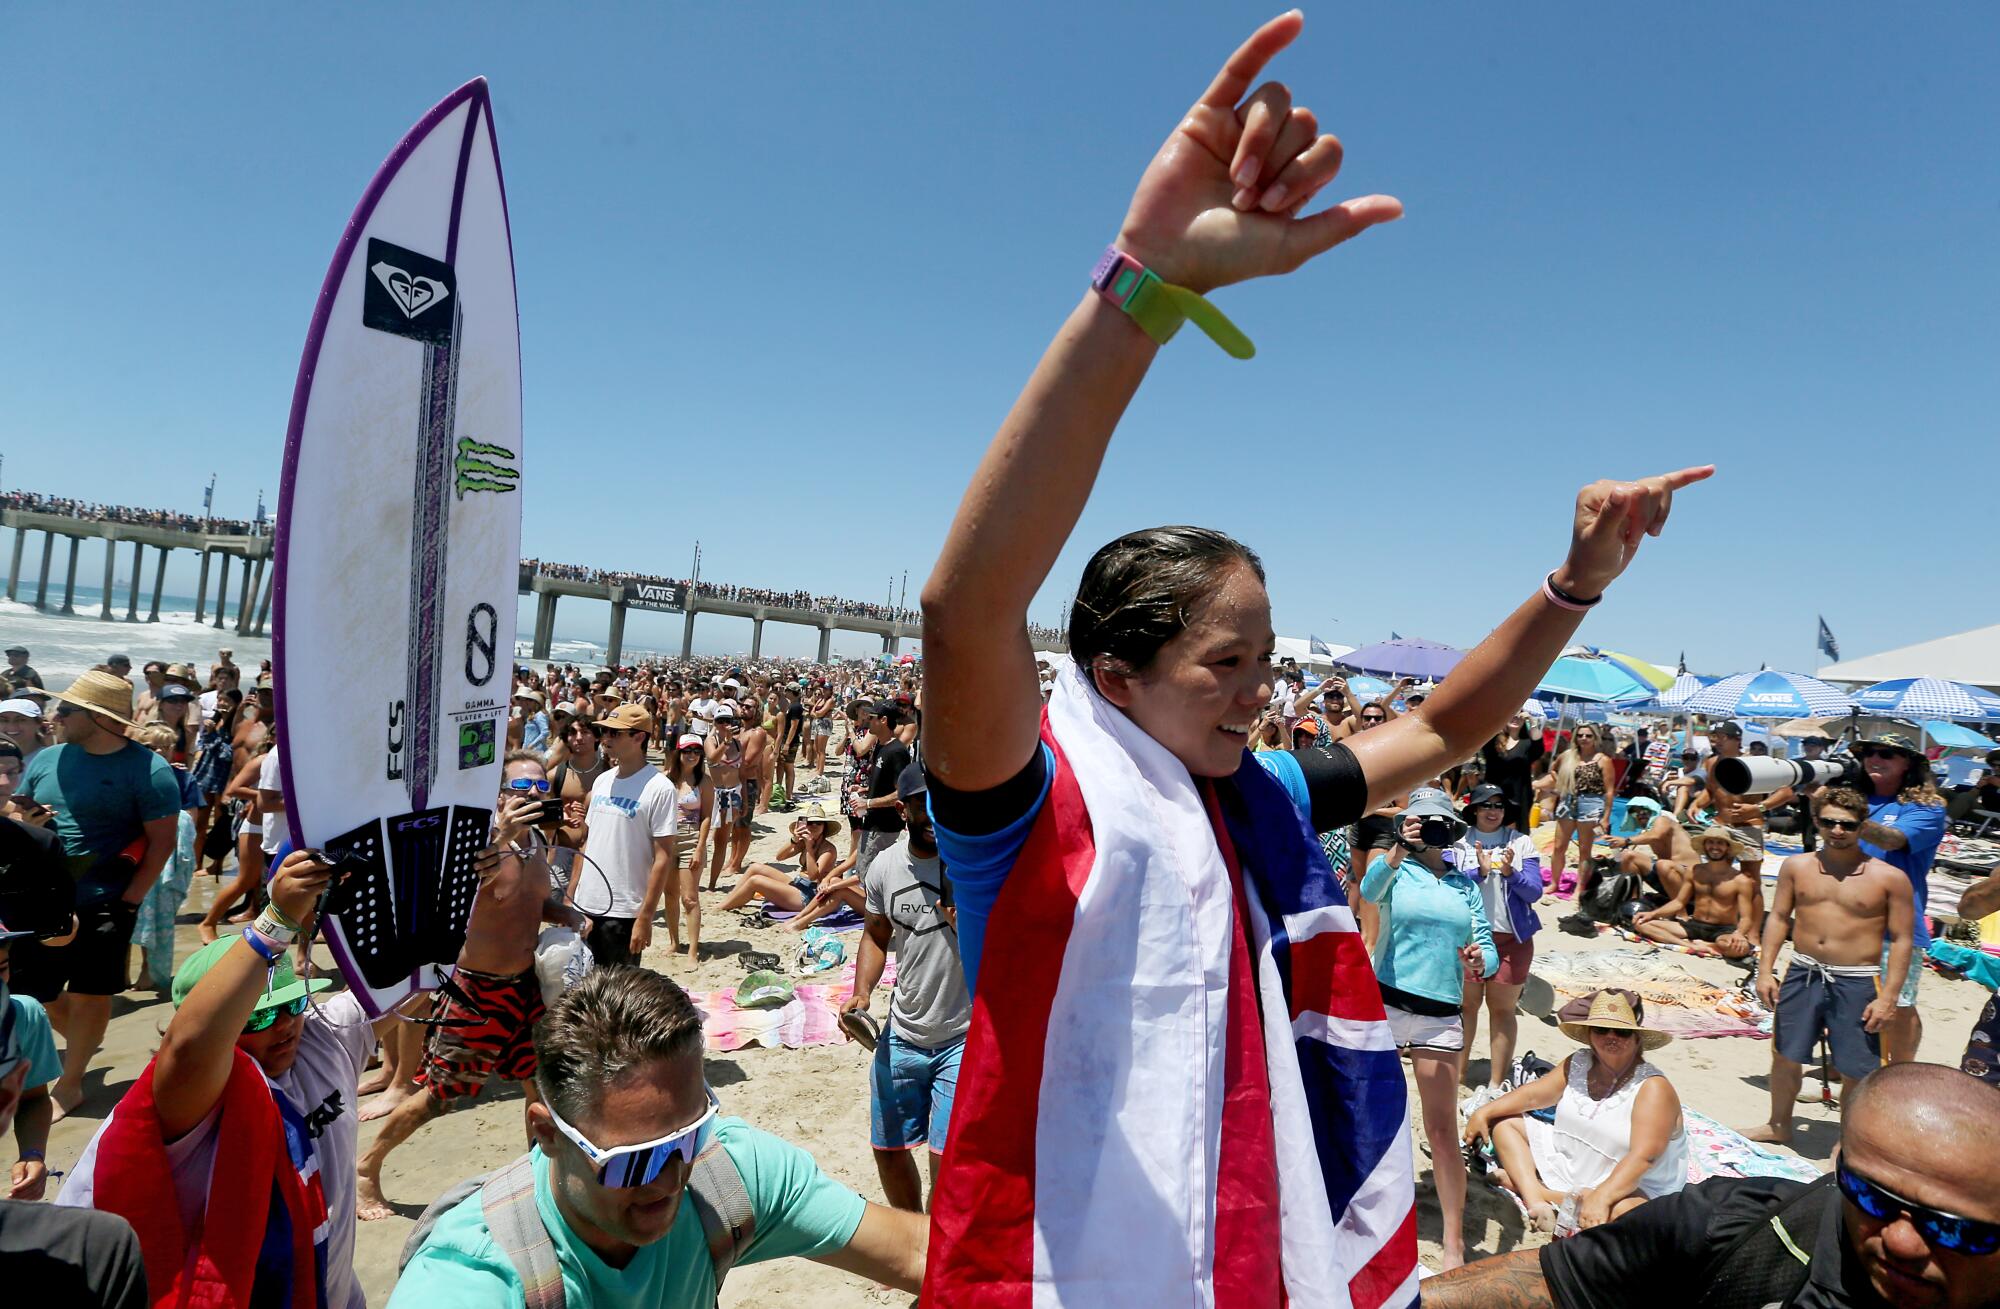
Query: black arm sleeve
[977,813]
[1649,1258]
[1335,782]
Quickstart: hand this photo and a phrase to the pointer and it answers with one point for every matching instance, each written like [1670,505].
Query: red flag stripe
[1389,1269]
[982,1246]
[1331,974]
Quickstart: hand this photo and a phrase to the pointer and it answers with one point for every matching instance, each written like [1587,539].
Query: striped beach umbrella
[1930,697]
[1769,694]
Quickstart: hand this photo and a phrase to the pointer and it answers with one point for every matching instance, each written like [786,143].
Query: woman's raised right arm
[1218,204]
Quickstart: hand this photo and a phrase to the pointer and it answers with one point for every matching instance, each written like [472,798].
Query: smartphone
[551,811]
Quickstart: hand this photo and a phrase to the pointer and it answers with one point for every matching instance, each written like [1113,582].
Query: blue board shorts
[909,1092]
[1907,997]
[1810,1002]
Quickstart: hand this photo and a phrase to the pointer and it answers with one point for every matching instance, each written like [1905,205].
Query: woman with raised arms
[1178,1072]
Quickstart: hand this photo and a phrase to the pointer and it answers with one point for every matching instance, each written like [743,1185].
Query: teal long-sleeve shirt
[1426,920]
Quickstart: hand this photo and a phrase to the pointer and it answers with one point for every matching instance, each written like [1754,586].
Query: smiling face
[1205,688]
[1488,817]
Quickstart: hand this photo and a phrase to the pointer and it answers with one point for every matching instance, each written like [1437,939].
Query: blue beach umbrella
[1953,737]
[1930,697]
[1404,657]
[1600,681]
[1770,694]
[1676,696]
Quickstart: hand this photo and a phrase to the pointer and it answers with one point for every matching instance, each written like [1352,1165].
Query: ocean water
[63,645]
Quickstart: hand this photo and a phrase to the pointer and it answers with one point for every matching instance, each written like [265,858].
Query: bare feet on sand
[385,1104]
[65,1096]
[1769,1134]
[370,1205]
[377,1080]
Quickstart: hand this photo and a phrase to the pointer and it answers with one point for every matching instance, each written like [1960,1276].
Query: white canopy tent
[1300,648]
[1972,656]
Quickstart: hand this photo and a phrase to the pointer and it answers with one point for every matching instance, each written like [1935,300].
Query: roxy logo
[413,293]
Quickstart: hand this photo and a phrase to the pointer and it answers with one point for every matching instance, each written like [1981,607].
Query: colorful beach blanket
[1677,1002]
[811,1017]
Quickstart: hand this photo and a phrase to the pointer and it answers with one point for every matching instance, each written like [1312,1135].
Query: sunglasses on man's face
[1839,824]
[1373,718]
[1878,752]
[637,1165]
[264,1018]
[1947,1231]
[528,784]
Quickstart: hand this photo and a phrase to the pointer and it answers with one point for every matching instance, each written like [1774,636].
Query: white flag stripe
[1347,1033]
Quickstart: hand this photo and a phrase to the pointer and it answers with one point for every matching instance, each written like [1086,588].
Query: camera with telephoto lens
[1747,775]
[1439,831]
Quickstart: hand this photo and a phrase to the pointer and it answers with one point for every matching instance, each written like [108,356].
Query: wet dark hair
[1138,591]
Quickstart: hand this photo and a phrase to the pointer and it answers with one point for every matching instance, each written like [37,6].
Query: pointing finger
[1247,64]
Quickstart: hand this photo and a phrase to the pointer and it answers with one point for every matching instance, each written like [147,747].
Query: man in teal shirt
[625,1110]
[117,811]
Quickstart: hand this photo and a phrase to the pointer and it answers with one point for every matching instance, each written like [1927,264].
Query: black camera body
[1439,831]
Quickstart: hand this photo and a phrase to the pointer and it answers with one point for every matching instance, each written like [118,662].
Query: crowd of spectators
[33,502]
[825,604]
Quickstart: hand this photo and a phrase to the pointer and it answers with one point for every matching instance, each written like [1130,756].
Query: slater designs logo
[408,294]
[484,467]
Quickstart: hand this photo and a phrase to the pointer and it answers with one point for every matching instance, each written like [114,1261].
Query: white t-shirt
[1283,697]
[626,813]
[208,701]
[333,1049]
[703,713]
[277,827]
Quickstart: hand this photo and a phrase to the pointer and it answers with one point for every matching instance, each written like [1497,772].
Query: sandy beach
[818,1099]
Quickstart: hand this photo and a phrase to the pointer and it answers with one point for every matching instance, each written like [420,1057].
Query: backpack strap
[508,1200]
[723,1204]
[1767,1266]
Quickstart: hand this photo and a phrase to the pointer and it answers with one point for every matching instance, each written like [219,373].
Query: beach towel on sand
[1178,1087]
[1677,1002]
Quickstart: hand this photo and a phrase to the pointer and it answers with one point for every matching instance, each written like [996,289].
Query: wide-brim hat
[1611,1010]
[1892,732]
[101,693]
[817,812]
[529,694]
[1701,837]
[182,673]
[1428,802]
[1486,793]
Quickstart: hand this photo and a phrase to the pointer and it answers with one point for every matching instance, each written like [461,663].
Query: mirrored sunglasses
[637,1165]
[1947,1231]
[264,1018]
[528,784]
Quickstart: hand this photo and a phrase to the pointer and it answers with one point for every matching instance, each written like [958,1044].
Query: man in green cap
[246,1039]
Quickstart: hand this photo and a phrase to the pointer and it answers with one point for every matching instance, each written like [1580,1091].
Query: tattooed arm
[1508,1281]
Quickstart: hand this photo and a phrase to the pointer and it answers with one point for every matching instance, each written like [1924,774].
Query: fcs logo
[413,293]
[480,467]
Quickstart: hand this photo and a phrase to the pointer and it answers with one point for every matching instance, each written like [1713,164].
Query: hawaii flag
[1178,1088]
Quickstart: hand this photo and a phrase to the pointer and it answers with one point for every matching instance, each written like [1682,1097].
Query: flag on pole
[1681,671]
[1395,636]
[1319,647]
[1827,645]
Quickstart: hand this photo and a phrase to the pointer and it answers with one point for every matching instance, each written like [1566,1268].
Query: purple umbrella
[1404,657]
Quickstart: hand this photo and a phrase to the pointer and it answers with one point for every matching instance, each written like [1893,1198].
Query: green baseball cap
[283,988]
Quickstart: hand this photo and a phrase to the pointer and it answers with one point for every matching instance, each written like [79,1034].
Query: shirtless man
[731,829]
[1721,897]
[759,764]
[1847,903]
[1743,815]
[495,1034]
[1661,854]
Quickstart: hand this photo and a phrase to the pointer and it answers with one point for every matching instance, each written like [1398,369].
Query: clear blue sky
[788,264]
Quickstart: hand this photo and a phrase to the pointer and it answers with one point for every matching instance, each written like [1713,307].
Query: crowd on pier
[91,511]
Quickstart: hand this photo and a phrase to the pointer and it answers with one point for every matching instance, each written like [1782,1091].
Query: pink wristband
[1562,599]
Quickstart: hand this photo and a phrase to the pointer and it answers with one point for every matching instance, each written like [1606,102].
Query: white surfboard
[398,545]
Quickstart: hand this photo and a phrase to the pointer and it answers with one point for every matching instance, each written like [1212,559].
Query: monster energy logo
[478,470]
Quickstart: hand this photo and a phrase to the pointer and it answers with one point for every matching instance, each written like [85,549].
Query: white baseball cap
[21,705]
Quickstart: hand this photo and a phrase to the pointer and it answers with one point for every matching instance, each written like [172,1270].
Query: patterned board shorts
[494,1037]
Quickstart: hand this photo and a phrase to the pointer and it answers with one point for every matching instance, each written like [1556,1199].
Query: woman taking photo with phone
[1125,824]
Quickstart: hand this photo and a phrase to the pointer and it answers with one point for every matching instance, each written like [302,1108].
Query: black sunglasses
[1947,1231]
[1840,824]
[1492,804]
[1879,752]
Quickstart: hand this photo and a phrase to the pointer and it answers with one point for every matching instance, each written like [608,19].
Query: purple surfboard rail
[475,92]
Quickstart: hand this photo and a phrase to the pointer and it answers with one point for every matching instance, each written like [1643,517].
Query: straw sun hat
[101,693]
[1717,832]
[1612,1011]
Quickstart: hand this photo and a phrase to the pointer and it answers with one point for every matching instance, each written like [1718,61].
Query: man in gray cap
[19,673]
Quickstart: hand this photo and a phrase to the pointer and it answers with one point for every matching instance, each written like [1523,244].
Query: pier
[251,556]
